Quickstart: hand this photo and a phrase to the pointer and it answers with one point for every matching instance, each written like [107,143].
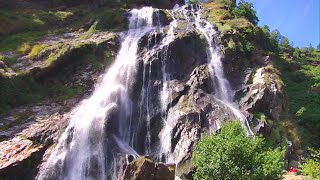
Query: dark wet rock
[162,17]
[145,168]
[2,65]
[263,95]
[185,168]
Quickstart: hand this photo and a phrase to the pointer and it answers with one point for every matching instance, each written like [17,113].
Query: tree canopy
[233,155]
[245,9]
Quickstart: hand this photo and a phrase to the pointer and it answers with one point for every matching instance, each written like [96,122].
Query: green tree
[276,36]
[232,155]
[245,9]
[285,42]
[268,40]
[310,48]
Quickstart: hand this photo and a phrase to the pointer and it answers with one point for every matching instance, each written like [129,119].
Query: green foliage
[267,39]
[232,155]
[311,166]
[301,77]
[285,43]
[245,9]
[260,116]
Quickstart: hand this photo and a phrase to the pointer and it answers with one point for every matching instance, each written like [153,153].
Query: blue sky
[298,20]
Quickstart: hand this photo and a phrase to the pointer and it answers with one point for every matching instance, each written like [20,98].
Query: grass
[242,41]
[64,92]
[19,29]
[271,70]
[23,89]
[16,41]
[217,12]
[30,20]
[36,49]
[9,61]
[18,90]
[24,48]
[58,53]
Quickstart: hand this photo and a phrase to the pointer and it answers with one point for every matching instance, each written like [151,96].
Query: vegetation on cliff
[243,40]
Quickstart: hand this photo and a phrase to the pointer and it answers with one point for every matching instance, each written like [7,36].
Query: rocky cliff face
[191,110]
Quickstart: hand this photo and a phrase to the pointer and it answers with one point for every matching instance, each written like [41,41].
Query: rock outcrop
[265,94]
[25,144]
[145,168]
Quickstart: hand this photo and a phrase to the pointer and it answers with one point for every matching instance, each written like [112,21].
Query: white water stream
[223,90]
[80,152]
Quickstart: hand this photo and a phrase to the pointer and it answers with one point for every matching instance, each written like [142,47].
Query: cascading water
[80,152]
[83,151]
[165,95]
[223,89]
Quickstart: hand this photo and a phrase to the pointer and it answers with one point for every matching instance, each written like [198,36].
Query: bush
[311,167]
[233,155]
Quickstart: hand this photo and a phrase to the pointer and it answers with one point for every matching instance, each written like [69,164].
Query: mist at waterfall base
[102,131]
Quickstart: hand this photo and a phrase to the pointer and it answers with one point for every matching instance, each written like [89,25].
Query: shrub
[233,155]
[311,167]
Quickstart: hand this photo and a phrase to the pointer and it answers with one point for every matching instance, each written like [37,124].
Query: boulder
[145,168]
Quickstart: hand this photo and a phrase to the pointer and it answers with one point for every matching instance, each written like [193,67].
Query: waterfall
[165,94]
[223,90]
[80,152]
[84,151]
